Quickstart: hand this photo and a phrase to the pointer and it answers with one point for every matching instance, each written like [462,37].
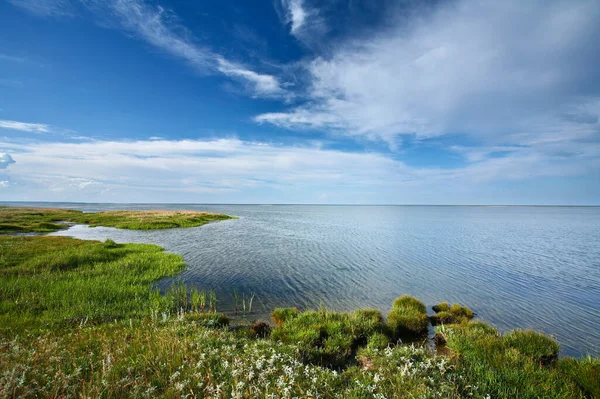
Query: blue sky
[300,101]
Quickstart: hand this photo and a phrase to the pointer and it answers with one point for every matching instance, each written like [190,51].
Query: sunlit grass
[43,220]
[49,281]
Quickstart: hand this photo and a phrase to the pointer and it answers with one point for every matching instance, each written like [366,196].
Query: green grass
[49,281]
[538,347]
[327,338]
[408,319]
[44,220]
[446,314]
[81,319]
[510,366]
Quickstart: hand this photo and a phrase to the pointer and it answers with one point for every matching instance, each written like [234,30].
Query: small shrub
[260,330]
[538,347]
[281,315]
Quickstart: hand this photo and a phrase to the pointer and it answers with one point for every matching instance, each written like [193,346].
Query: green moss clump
[441,307]
[539,347]
[454,314]
[407,319]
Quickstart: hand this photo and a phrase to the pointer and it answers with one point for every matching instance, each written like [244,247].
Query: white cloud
[306,24]
[231,170]
[5,160]
[157,26]
[4,183]
[25,127]
[507,72]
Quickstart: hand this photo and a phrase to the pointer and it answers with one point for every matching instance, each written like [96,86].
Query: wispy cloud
[505,72]
[24,126]
[306,23]
[159,27]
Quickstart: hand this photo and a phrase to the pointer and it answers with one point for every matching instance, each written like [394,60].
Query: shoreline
[56,289]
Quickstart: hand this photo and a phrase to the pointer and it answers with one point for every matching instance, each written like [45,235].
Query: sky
[300,101]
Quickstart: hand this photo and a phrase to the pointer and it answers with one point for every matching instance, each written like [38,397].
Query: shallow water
[526,267]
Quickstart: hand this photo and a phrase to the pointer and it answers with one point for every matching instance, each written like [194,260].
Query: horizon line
[303,204]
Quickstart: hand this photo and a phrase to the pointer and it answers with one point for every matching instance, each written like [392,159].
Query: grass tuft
[538,347]
[407,319]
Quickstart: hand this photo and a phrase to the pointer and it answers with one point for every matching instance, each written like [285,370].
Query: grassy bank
[61,281]
[81,319]
[43,220]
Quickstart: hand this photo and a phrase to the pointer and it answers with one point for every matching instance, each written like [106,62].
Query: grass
[50,281]
[81,319]
[446,314]
[43,220]
[408,319]
[327,338]
[517,364]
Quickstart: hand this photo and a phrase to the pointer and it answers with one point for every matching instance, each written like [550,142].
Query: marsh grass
[44,220]
[511,366]
[407,319]
[49,281]
[82,319]
[446,314]
[327,338]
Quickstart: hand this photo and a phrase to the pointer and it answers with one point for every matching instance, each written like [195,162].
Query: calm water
[524,267]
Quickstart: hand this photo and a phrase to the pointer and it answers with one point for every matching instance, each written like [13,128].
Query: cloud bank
[503,72]
[231,170]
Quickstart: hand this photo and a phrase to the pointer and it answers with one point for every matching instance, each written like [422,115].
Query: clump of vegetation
[408,319]
[538,347]
[441,307]
[260,330]
[281,315]
[327,338]
[44,220]
[446,314]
